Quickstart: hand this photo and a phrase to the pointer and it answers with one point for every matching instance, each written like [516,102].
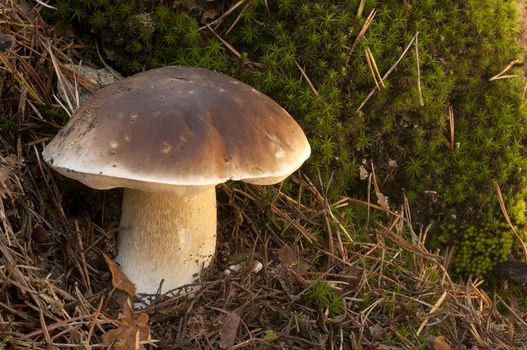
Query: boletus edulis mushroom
[169,136]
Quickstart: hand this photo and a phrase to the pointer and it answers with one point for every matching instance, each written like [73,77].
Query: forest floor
[57,291]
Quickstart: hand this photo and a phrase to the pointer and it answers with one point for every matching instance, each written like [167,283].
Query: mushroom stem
[165,236]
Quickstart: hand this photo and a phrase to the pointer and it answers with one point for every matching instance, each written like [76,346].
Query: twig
[421,100]
[451,127]
[63,83]
[307,78]
[434,309]
[524,90]
[229,46]
[94,321]
[45,5]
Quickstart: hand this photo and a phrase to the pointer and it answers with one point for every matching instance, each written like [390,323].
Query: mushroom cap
[177,126]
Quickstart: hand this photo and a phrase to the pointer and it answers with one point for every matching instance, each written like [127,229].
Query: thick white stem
[167,237]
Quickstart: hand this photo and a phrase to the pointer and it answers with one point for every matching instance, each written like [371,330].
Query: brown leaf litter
[119,279]
[131,330]
[229,328]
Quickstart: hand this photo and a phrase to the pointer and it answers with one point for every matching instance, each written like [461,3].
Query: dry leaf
[228,330]
[377,332]
[119,279]
[287,256]
[363,173]
[382,200]
[40,234]
[439,343]
[130,331]
[392,163]
[290,258]
[209,14]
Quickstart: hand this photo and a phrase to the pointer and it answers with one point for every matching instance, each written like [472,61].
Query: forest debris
[252,266]
[228,330]
[33,274]
[119,279]
[291,259]
[439,343]
[287,256]
[130,331]
[6,41]
[377,331]
[208,15]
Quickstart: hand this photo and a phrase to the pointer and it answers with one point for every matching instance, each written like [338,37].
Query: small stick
[45,5]
[524,91]
[367,224]
[236,20]
[331,245]
[451,126]
[224,15]
[229,46]
[421,100]
[44,327]
[94,321]
[434,309]
[307,78]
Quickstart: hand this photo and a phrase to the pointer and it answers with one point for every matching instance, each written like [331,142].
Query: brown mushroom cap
[178,126]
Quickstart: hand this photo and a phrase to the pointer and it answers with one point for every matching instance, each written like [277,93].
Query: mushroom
[168,136]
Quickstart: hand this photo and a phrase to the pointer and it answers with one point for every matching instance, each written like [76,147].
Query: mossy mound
[439,129]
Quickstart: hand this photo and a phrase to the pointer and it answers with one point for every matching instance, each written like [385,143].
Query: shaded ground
[318,288]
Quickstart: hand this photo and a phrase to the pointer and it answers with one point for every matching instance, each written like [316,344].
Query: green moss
[324,296]
[478,248]
[4,342]
[461,45]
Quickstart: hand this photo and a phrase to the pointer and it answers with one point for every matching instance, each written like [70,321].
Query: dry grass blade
[362,31]
[451,128]
[45,5]
[502,75]
[373,68]
[418,65]
[434,309]
[216,23]
[229,46]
